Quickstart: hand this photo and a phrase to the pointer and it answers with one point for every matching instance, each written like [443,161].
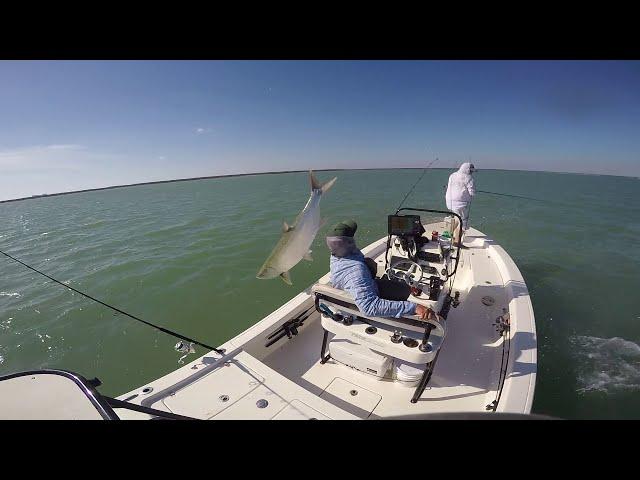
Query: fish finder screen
[405,225]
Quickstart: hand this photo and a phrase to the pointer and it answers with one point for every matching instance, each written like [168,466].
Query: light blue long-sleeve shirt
[352,274]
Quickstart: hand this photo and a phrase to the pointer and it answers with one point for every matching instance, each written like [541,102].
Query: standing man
[460,191]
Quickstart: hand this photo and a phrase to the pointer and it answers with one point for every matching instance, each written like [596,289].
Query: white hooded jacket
[461,188]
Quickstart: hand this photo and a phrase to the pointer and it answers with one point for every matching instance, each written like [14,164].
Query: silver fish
[296,239]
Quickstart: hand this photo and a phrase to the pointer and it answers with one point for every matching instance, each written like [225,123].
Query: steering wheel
[412,276]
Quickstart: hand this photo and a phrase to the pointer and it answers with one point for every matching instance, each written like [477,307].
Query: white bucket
[408,374]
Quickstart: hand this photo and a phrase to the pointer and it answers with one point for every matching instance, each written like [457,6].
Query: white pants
[463,211]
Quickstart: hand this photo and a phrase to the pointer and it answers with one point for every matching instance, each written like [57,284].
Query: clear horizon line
[155,182]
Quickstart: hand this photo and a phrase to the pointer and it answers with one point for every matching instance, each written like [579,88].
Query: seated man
[351,272]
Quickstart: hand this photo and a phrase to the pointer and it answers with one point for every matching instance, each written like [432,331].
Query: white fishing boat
[319,357]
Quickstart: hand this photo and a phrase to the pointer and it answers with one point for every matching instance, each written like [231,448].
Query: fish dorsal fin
[286,278]
[308,257]
[286,227]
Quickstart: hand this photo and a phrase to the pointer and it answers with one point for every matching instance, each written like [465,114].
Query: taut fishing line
[162,329]
[516,196]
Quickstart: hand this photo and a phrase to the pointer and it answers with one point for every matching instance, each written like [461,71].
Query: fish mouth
[266,274]
[263,273]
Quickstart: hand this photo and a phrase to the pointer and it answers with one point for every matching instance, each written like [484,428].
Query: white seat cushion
[410,322]
[337,293]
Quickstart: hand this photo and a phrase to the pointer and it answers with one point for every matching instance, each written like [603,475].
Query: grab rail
[455,268]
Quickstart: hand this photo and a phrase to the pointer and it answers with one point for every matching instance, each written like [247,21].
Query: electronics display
[405,225]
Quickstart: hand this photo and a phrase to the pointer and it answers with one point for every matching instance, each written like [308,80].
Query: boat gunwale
[518,390]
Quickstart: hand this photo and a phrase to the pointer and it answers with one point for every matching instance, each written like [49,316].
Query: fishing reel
[502,324]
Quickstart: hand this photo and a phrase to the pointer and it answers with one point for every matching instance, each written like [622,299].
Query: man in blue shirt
[351,272]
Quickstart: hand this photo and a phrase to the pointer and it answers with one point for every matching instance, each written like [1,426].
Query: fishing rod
[162,329]
[415,184]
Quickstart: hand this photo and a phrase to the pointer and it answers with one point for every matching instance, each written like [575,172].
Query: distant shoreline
[35,197]
[183,180]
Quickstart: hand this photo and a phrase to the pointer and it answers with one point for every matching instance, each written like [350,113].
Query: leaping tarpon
[296,239]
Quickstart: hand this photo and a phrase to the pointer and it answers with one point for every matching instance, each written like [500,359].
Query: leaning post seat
[342,300]
[411,327]
[409,348]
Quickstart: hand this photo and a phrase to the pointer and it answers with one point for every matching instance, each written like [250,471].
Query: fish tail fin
[328,185]
[286,278]
[316,185]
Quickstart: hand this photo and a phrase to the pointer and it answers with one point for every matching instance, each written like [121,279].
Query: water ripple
[184,255]
[608,365]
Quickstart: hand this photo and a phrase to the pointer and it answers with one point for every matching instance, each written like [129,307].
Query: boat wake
[608,365]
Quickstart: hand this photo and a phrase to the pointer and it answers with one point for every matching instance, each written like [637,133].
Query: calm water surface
[184,255]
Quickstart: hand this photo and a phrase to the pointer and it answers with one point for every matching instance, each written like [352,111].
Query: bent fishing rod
[162,329]
[415,184]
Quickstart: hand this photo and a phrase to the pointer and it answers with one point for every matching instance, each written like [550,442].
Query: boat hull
[478,369]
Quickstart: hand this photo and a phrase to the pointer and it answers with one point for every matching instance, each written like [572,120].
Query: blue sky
[68,125]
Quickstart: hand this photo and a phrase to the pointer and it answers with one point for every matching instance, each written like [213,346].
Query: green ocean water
[184,255]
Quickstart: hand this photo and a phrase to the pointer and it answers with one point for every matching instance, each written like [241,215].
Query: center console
[411,345]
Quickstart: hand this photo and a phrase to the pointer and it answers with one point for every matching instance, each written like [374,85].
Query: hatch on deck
[51,395]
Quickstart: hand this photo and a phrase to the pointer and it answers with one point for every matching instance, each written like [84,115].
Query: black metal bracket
[434,287]
[492,406]
[446,212]
[114,402]
[288,328]
[94,382]
[456,300]
[323,357]
[426,376]
[425,339]
[502,325]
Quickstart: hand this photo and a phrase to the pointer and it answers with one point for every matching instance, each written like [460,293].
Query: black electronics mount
[408,228]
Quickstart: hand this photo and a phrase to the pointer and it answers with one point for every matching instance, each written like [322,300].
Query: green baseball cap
[345,228]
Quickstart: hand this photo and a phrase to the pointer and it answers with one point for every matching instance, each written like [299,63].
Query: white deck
[290,377]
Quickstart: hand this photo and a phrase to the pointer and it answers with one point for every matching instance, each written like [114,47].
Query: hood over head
[467,168]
